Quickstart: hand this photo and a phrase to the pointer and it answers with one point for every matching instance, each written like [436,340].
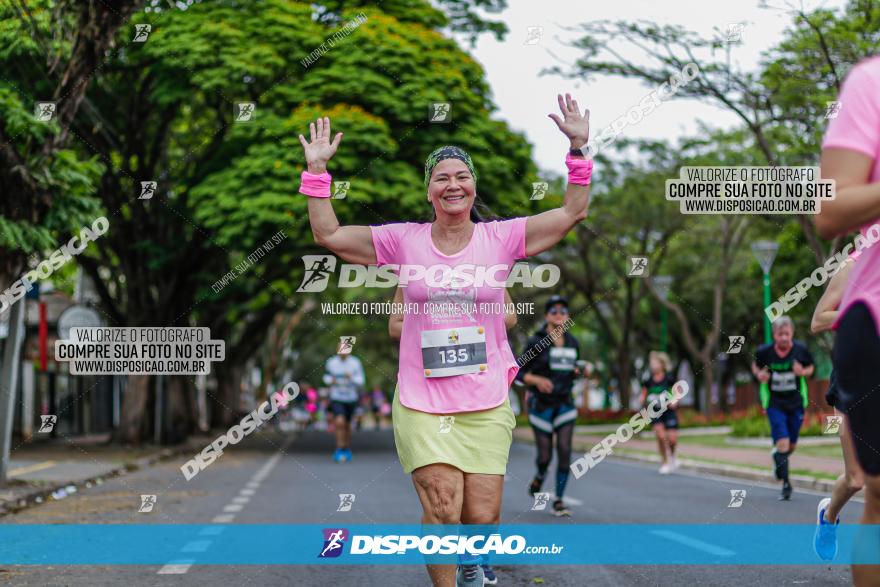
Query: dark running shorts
[831,395]
[856,357]
[669,419]
[343,409]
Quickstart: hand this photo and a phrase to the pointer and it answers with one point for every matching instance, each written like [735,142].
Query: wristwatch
[577,152]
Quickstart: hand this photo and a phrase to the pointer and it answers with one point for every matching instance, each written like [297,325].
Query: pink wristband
[316,186]
[579,170]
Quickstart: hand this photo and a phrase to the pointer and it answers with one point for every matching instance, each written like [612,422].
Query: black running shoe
[535,486]
[559,508]
[786,491]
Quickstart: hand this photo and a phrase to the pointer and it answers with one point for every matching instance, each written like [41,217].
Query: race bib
[784,381]
[454,351]
[562,358]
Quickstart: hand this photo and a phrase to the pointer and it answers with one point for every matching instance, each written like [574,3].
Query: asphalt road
[270,479]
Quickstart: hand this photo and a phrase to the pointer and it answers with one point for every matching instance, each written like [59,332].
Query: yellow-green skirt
[475,442]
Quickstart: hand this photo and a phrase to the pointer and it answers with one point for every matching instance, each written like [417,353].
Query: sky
[525,99]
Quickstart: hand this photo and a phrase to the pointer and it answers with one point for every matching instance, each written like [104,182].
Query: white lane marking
[240,499]
[178,567]
[248,491]
[693,543]
[233,507]
[223,519]
[196,546]
[253,485]
[212,530]
[570,500]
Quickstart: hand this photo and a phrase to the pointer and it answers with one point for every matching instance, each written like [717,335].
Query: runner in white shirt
[345,376]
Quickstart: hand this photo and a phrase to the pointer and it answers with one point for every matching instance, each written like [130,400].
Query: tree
[782,105]
[47,186]
[163,111]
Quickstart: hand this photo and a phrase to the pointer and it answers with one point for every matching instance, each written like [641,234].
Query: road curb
[746,473]
[43,494]
[740,472]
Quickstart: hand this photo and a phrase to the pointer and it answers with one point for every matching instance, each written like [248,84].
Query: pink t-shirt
[492,243]
[857,128]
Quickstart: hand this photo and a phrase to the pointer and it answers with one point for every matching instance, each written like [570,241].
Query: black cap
[553,301]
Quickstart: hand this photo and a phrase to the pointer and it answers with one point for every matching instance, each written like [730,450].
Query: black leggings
[857,366]
[544,442]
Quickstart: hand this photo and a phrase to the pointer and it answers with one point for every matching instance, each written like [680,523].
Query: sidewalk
[52,470]
[745,462]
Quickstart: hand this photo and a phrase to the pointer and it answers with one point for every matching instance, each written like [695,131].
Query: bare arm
[395,320]
[546,229]
[826,312]
[352,243]
[857,202]
[762,374]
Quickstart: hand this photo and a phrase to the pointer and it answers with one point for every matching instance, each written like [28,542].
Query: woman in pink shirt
[452,420]
[851,157]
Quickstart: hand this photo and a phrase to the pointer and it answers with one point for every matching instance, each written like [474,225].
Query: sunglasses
[554,311]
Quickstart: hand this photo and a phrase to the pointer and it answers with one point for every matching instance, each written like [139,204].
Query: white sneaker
[664,469]
[673,464]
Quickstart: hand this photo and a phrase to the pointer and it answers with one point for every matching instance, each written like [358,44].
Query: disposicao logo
[334,541]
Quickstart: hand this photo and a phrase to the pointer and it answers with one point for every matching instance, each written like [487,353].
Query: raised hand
[573,125]
[320,150]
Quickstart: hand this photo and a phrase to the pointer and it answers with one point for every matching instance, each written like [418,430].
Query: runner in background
[550,375]
[784,366]
[852,480]
[851,158]
[345,376]
[665,426]
[377,406]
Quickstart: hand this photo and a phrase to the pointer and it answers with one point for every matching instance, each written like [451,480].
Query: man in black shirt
[782,369]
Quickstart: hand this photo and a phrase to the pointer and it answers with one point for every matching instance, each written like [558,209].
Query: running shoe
[786,491]
[664,469]
[347,452]
[469,576]
[559,509]
[825,538]
[535,486]
[673,463]
[489,577]
[338,455]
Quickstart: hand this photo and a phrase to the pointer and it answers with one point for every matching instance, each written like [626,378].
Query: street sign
[76,316]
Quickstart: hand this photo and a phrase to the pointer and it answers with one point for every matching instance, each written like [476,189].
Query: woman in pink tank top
[452,420]
[851,157]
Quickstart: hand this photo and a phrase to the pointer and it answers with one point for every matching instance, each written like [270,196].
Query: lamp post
[662,284]
[765,253]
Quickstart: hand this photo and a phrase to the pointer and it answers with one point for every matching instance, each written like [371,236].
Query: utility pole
[9,382]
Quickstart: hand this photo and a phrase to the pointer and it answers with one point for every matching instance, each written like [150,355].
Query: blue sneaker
[469,576]
[825,538]
[489,577]
[339,455]
[347,452]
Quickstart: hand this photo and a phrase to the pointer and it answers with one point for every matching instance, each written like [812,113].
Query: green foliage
[752,424]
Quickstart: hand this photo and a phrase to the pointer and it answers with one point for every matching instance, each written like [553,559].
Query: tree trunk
[708,371]
[181,417]
[133,422]
[224,403]
[624,369]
